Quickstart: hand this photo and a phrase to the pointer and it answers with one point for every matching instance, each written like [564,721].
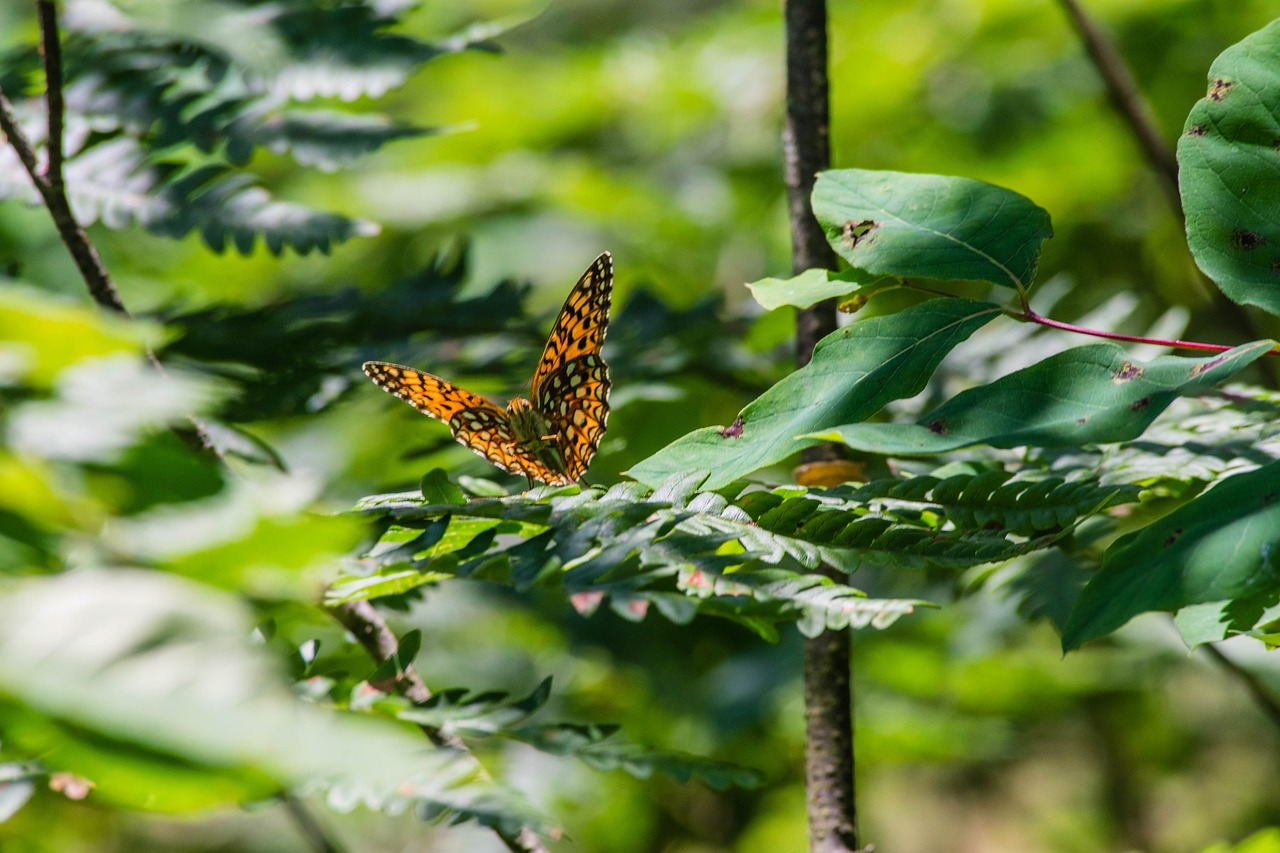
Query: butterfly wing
[575,400]
[571,384]
[581,324]
[477,423]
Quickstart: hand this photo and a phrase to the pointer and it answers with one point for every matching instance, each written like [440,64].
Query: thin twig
[1269,704]
[51,50]
[1128,99]
[372,632]
[82,250]
[309,827]
[1030,316]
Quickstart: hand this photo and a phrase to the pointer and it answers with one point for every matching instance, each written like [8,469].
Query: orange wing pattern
[570,392]
[477,423]
[581,324]
[575,401]
[571,384]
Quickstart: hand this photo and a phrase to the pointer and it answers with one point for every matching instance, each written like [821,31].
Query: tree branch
[51,51]
[308,826]
[1269,704]
[1127,98]
[48,182]
[371,631]
[828,699]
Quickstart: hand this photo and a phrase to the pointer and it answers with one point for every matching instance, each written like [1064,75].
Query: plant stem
[1137,113]
[1268,703]
[828,699]
[1030,316]
[372,632]
[48,182]
[308,826]
[1128,99]
[51,51]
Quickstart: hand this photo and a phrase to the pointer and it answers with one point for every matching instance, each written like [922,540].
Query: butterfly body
[552,435]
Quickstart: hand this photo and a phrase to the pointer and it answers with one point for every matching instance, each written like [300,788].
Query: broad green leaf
[1222,546]
[931,226]
[1088,395]
[855,371]
[438,488]
[148,685]
[806,288]
[1229,174]
[41,336]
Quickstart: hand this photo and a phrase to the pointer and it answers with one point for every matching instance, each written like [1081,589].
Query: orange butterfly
[552,436]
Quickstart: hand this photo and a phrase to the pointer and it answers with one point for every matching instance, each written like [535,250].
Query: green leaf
[1092,394]
[149,686]
[591,744]
[931,226]
[40,336]
[806,288]
[855,371]
[118,184]
[437,488]
[476,715]
[1222,546]
[328,139]
[1229,175]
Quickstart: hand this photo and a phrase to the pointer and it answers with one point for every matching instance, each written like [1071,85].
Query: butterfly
[552,435]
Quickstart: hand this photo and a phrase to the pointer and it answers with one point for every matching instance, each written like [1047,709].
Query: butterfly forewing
[476,422]
[582,321]
[570,391]
[571,384]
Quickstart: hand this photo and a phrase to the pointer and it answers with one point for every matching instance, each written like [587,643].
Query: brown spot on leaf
[1218,89]
[1197,130]
[733,430]
[939,427]
[1128,371]
[1172,537]
[854,233]
[994,524]
[1246,240]
[1268,497]
[1197,369]
[1139,405]
[1081,421]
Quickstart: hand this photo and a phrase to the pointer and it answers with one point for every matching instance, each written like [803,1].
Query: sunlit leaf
[855,371]
[931,226]
[1228,174]
[1222,546]
[1086,395]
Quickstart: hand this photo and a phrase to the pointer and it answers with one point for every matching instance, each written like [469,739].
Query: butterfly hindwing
[476,422]
[574,399]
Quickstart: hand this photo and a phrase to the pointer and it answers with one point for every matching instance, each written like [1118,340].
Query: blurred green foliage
[651,130]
